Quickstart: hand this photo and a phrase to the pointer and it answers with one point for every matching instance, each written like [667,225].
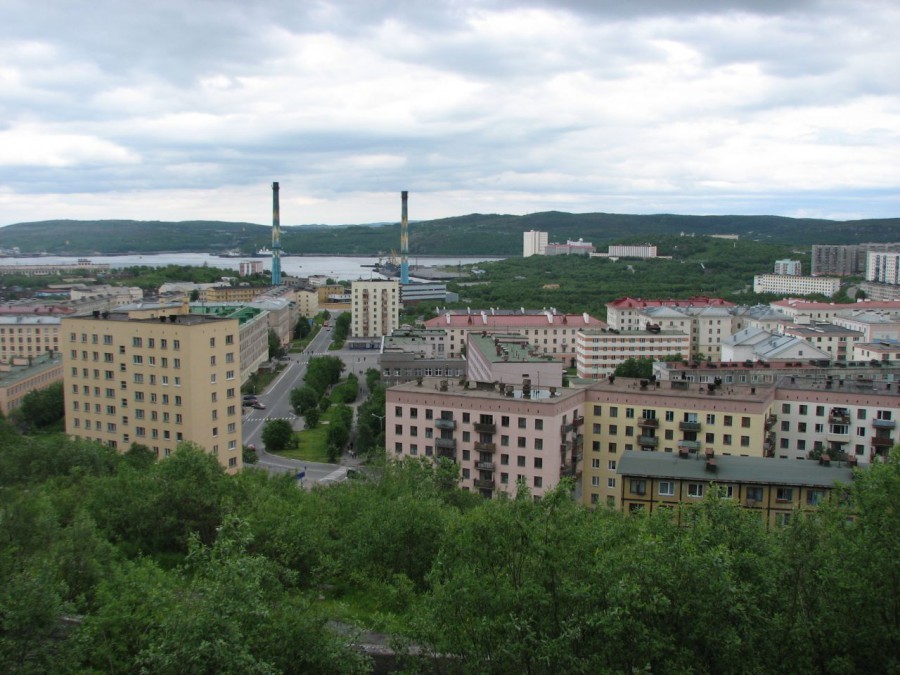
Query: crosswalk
[259,418]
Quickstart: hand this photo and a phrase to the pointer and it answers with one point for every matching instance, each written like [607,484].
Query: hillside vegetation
[475,234]
[120,564]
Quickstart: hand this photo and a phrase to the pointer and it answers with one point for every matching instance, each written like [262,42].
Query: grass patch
[364,608]
[313,443]
[300,345]
[261,379]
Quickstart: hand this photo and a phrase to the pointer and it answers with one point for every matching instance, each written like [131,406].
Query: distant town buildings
[599,352]
[20,376]
[248,268]
[845,259]
[786,284]
[580,247]
[83,265]
[789,267]
[883,267]
[534,243]
[632,251]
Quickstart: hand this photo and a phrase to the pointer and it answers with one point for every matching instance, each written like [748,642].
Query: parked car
[257,405]
[249,398]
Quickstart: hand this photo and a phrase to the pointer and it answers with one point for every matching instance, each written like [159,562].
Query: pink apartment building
[499,438]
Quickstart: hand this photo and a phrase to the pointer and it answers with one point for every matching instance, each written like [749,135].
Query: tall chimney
[404,241]
[276,237]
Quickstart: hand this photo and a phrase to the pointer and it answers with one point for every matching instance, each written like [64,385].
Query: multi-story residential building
[756,344]
[885,352]
[599,352]
[534,243]
[580,247]
[791,267]
[254,332]
[631,251]
[549,332]
[22,375]
[883,267]
[376,307]
[408,355]
[786,284]
[307,301]
[876,291]
[857,418]
[248,268]
[837,341]
[500,439]
[233,294]
[510,359]
[872,325]
[845,260]
[28,335]
[707,321]
[807,311]
[83,265]
[816,372]
[148,377]
[776,490]
[673,417]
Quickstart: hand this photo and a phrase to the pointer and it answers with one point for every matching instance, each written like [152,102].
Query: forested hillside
[119,564]
[475,234]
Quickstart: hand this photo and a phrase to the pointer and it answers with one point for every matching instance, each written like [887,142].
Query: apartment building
[254,332]
[549,332]
[28,335]
[307,301]
[775,490]
[883,267]
[580,247]
[599,352]
[885,352]
[157,379]
[857,418]
[510,359]
[499,438]
[836,341]
[632,251]
[806,311]
[22,375]
[534,242]
[788,284]
[872,325]
[677,417]
[791,267]
[376,307]
[845,260]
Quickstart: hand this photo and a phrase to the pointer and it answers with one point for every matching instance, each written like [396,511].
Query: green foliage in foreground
[179,567]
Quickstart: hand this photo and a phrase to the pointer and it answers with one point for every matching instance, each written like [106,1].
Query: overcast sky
[189,109]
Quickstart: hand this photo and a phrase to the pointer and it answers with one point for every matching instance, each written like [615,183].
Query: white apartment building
[632,251]
[376,307]
[534,243]
[786,284]
[599,352]
[789,267]
[883,267]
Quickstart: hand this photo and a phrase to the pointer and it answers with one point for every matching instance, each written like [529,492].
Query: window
[745,422]
[782,519]
[538,463]
[613,428]
[611,464]
[539,425]
[398,411]
[504,421]
[814,497]
[520,461]
[538,481]
[695,489]
[745,441]
[612,448]
[504,440]
[804,409]
[786,408]
[595,481]
[638,487]
[520,442]
[729,420]
[820,410]
[523,423]
[629,413]
[670,415]
[754,494]
[504,460]
[613,411]
[784,494]
[611,482]
[666,488]
[710,418]
[598,410]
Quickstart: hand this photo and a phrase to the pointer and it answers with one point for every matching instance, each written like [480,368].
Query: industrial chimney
[404,241]
[276,237]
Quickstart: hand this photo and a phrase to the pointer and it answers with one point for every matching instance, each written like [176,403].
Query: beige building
[775,490]
[233,294]
[836,341]
[156,379]
[549,332]
[22,375]
[28,335]
[307,301]
[376,307]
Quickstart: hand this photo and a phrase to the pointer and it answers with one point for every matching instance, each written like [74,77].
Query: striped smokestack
[276,237]
[404,241]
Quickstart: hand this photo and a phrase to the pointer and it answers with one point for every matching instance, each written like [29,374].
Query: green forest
[120,564]
[474,234]
[575,284]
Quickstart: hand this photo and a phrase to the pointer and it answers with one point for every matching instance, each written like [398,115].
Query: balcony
[484,466]
[485,447]
[884,424]
[447,443]
[692,446]
[839,416]
[447,453]
[648,423]
[567,470]
[445,424]
[838,436]
[771,421]
[484,483]
[689,426]
[882,441]
[485,427]
[649,441]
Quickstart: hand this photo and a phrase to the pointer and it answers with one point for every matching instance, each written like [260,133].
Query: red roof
[696,301]
[50,310]
[477,321]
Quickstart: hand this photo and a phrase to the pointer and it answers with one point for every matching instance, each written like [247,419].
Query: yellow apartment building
[672,418]
[22,375]
[776,489]
[376,307]
[156,379]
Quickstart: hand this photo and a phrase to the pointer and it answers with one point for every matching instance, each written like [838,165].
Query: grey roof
[732,469]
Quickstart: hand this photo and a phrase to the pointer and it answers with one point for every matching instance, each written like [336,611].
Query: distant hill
[474,234]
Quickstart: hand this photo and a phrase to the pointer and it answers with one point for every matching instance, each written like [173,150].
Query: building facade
[154,379]
[786,284]
[534,243]
[22,375]
[376,307]
[599,352]
[788,267]
[883,267]
[632,251]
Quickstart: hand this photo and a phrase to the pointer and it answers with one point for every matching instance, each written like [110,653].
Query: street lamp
[380,417]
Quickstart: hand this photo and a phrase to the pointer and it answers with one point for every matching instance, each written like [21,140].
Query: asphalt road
[277,399]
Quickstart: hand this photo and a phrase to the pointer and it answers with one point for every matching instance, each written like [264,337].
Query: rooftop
[487,390]
[10,374]
[733,469]
[506,349]
[696,301]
